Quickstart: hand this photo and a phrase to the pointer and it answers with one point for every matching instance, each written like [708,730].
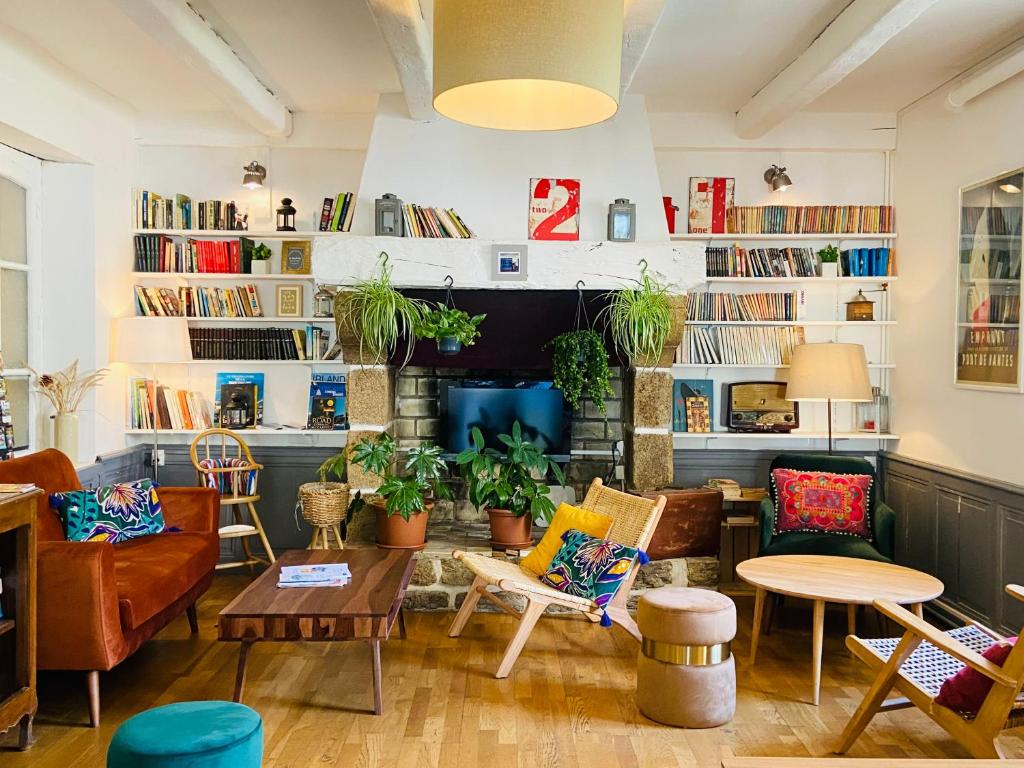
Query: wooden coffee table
[365,609]
[826,579]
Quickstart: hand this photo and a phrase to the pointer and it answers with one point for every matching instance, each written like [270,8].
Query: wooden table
[826,579]
[365,609]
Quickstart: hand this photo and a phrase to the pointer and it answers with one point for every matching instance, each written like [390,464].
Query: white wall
[939,151]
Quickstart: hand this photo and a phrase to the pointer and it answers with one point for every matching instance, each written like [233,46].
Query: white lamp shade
[150,340]
[527,65]
[829,372]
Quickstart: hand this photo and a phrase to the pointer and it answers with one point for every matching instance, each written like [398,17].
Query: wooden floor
[569,702]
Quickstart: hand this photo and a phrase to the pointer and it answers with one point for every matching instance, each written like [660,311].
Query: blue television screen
[494,405]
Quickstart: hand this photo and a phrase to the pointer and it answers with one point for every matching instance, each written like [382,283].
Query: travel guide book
[246,387]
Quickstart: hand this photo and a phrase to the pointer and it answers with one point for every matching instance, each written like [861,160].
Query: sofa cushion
[152,572]
[113,513]
[567,517]
[822,502]
[965,691]
[822,544]
[590,567]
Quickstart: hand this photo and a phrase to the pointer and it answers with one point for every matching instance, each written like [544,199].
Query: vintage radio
[759,406]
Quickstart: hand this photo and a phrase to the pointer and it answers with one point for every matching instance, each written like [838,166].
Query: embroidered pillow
[965,691]
[822,502]
[113,513]
[589,567]
[232,483]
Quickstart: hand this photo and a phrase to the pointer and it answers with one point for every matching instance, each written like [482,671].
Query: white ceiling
[327,56]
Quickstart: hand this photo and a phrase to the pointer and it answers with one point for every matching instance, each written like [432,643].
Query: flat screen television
[494,405]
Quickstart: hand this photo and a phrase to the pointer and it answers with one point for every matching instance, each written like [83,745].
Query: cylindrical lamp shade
[528,65]
[151,340]
[829,372]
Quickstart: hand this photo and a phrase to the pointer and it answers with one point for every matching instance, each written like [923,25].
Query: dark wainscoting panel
[749,468]
[116,467]
[966,530]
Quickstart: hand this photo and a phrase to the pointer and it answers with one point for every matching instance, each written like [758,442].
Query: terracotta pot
[394,532]
[509,531]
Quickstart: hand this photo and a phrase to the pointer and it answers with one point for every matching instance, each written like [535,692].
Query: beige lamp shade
[527,65]
[829,372]
[150,340]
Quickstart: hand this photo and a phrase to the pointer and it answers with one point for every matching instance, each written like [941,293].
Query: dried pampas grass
[65,389]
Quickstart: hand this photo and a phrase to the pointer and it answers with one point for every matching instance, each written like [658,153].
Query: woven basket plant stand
[324,506]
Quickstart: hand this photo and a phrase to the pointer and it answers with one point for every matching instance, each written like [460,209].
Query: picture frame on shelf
[710,198]
[509,263]
[296,257]
[554,209]
[289,301]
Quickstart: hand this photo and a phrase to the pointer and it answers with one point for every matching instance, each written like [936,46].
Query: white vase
[261,267]
[65,434]
[829,269]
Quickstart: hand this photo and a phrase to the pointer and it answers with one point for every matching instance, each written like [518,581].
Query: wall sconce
[777,179]
[254,175]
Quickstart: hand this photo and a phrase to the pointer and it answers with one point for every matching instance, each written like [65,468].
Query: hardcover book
[684,391]
[327,402]
[249,387]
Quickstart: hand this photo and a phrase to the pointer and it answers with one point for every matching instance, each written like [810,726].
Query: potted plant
[325,503]
[403,501]
[451,328]
[373,316]
[260,264]
[829,257]
[579,362]
[511,487]
[643,319]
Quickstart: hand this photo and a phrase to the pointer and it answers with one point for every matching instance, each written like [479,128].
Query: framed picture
[289,301]
[710,198]
[554,209]
[508,262]
[295,257]
[685,390]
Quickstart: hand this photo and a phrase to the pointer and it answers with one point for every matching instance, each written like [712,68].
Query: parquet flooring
[569,702]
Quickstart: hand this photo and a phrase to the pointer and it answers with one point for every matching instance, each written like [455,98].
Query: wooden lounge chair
[635,520]
[917,664]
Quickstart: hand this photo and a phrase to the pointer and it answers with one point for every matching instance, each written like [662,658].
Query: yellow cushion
[566,518]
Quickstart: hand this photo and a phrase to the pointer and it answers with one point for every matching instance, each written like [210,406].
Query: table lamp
[829,372]
[152,340]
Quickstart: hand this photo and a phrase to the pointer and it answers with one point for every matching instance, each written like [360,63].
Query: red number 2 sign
[554,209]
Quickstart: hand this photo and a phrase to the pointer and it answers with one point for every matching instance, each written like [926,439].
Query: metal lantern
[860,307]
[235,414]
[286,216]
[622,221]
[323,302]
[388,216]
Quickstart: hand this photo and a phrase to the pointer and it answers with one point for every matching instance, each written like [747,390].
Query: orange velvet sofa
[97,601]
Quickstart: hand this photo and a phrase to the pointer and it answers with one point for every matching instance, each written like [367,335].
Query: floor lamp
[152,340]
[828,373]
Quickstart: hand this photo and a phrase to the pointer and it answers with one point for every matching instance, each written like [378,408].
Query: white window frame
[27,172]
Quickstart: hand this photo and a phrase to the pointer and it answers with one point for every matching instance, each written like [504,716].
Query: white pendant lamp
[527,65]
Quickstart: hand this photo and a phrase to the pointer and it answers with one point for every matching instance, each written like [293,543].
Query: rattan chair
[635,520]
[918,663]
[223,462]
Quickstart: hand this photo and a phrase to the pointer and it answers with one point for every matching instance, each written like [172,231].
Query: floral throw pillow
[589,567]
[113,513]
[822,502]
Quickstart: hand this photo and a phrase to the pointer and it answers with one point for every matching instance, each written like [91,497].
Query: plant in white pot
[829,257]
[260,264]
[65,390]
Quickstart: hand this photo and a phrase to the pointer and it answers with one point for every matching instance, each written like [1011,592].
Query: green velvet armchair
[883,519]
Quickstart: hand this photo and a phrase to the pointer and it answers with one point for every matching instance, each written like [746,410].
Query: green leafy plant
[640,318]
[509,481]
[447,322]
[336,465]
[829,254]
[403,494]
[261,252]
[379,315]
[579,362]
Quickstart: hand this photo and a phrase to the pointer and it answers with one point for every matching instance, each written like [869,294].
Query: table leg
[851,619]
[25,739]
[755,630]
[817,637]
[918,609]
[243,655]
[401,624]
[378,706]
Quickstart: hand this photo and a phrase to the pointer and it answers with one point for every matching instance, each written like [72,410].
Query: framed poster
[295,257]
[710,198]
[289,301]
[554,209]
[508,262]
[686,390]
[988,338]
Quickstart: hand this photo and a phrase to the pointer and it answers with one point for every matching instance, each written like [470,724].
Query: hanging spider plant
[640,318]
[379,316]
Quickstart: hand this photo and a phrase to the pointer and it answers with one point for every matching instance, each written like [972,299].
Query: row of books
[337,213]
[161,407]
[198,301]
[421,221]
[153,211]
[986,220]
[325,575]
[746,306]
[735,261]
[865,262]
[731,345]
[798,219]
[160,253]
[309,343]
[992,308]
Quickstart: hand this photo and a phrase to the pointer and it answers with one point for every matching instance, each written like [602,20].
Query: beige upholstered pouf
[686,674]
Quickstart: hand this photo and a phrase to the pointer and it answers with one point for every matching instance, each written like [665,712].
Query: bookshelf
[821,237]
[222,276]
[232,234]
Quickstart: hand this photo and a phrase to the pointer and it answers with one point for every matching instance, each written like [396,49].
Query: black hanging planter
[449,346]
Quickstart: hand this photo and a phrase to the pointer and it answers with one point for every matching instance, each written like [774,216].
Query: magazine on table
[326,575]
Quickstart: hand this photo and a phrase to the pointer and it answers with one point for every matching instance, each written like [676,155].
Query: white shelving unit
[821,237]
[231,234]
[234,277]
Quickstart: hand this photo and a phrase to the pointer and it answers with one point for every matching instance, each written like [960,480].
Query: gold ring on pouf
[686,655]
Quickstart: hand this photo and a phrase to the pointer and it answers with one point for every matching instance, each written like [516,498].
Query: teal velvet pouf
[190,734]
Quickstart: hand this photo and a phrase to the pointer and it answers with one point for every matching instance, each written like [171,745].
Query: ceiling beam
[187,34]
[988,74]
[853,37]
[641,19]
[404,29]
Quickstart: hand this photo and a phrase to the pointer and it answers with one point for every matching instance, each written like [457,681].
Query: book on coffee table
[325,575]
